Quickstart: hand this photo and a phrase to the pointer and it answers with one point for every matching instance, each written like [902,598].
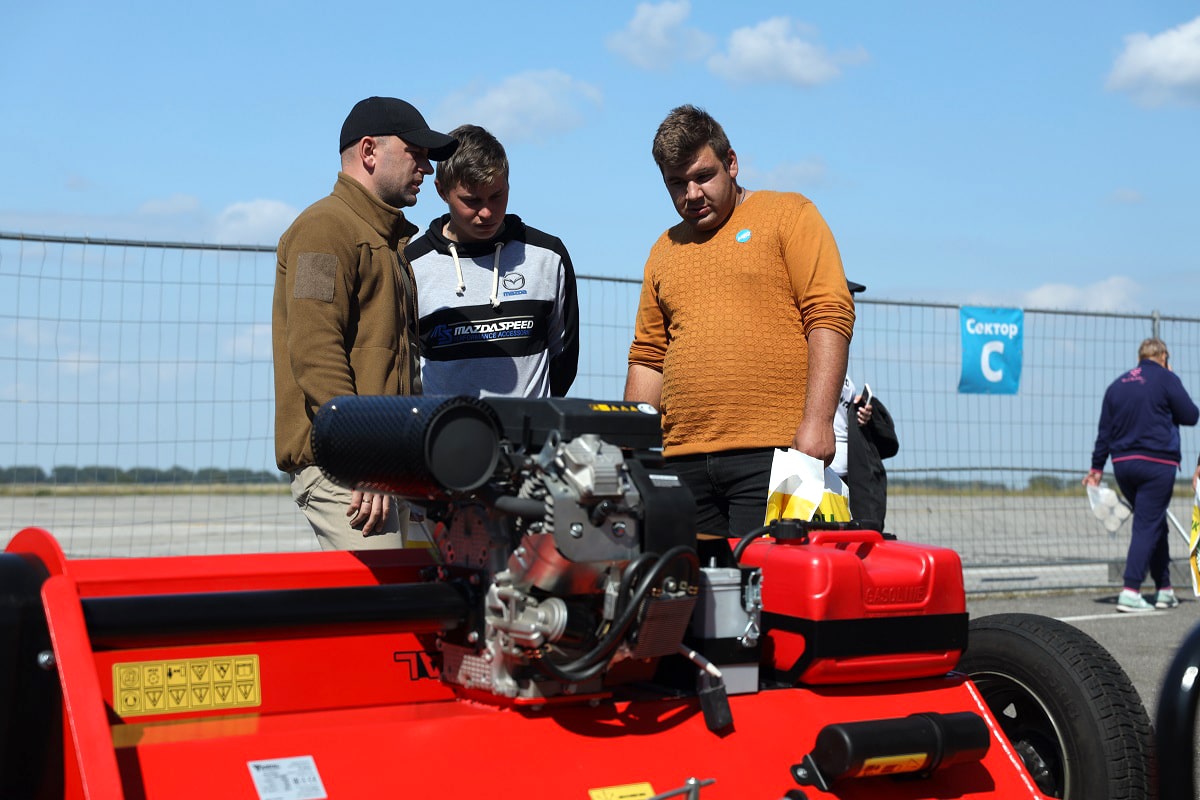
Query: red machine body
[562,641]
[358,710]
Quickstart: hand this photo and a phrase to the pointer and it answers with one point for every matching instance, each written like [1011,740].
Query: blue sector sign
[992,342]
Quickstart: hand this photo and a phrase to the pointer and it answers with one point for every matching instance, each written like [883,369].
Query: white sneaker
[1166,599]
[1133,602]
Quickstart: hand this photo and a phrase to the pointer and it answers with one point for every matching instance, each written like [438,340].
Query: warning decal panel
[632,791]
[186,685]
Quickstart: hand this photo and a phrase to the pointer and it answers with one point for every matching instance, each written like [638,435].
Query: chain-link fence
[136,408]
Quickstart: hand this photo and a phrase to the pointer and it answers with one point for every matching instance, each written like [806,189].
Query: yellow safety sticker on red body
[186,685]
[632,791]
[892,765]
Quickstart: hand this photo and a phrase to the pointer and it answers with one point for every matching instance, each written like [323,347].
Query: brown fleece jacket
[344,314]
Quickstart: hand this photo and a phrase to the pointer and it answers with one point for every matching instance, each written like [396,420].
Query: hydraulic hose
[593,662]
[745,541]
[632,570]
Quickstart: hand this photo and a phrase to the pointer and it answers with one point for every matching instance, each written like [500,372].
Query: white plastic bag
[801,487]
[1107,507]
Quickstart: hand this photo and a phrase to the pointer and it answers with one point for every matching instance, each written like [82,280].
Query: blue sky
[1017,153]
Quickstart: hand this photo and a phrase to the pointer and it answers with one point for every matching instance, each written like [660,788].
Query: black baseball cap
[855,288]
[389,116]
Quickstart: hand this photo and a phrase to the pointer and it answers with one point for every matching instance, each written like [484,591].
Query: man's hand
[815,440]
[367,509]
[1093,477]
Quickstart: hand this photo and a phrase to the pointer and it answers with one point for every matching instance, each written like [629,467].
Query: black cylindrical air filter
[418,446]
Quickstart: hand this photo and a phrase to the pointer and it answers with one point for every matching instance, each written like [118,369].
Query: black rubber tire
[1066,706]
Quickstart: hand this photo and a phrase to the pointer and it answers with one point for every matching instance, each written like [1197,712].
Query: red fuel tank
[851,606]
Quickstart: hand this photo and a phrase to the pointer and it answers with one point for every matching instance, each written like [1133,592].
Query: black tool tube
[918,743]
[418,604]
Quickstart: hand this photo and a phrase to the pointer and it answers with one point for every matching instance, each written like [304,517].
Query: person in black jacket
[870,438]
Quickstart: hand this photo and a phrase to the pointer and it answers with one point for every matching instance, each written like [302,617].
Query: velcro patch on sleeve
[316,274]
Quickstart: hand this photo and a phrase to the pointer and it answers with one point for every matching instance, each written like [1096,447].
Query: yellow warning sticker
[891,765]
[186,685]
[632,791]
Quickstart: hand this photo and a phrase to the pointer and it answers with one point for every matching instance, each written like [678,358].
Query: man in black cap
[345,311]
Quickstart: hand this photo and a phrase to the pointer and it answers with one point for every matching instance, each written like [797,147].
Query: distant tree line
[71,476]
[946,485]
[1051,483]
[1036,484]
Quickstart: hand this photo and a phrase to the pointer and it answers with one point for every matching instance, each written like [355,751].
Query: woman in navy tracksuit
[1139,429]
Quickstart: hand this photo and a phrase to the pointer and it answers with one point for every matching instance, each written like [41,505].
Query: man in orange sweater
[743,327]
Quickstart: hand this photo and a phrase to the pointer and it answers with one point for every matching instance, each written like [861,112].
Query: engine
[577,550]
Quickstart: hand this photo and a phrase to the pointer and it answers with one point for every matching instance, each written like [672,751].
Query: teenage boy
[496,298]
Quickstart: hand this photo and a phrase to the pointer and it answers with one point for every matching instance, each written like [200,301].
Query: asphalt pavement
[1143,644]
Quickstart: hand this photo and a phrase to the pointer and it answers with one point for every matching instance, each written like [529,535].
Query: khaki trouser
[324,504]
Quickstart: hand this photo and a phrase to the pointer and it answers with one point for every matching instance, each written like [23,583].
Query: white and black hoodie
[499,317]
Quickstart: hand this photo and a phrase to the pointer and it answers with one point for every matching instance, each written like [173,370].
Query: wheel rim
[1030,727]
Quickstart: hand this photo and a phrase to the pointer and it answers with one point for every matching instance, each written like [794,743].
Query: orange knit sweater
[725,315]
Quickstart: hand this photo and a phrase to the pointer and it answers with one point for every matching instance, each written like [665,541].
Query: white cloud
[780,50]
[528,106]
[1126,197]
[28,333]
[656,37]
[792,177]
[1117,293]
[253,222]
[1160,69]
[141,227]
[179,218]
[17,392]
[169,206]
[251,342]
[1113,294]
[48,341]
[77,362]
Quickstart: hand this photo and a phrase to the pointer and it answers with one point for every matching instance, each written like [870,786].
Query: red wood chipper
[568,637]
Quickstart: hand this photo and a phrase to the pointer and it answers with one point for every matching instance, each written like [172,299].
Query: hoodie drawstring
[462,285]
[495,298]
